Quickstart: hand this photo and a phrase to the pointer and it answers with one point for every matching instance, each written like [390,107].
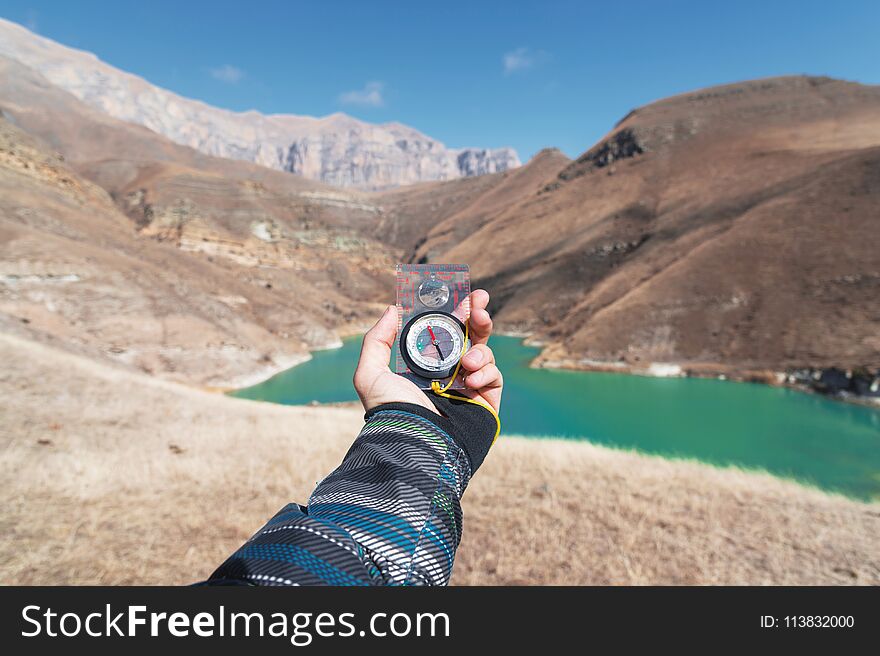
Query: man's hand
[376,384]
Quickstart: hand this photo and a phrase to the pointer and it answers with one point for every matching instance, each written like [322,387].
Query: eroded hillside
[730,227]
[204,279]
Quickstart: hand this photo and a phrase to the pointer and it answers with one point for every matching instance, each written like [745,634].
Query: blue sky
[522,74]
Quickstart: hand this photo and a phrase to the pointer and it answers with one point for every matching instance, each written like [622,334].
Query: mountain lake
[827,444]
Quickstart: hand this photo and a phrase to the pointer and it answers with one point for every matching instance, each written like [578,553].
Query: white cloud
[32,22]
[369,96]
[522,59]
[227,73]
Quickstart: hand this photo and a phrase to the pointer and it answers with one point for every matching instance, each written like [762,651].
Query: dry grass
[114,477]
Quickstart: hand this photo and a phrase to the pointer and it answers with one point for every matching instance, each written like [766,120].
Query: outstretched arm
[390,514]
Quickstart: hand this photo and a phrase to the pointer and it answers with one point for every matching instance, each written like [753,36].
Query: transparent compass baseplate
[433,306]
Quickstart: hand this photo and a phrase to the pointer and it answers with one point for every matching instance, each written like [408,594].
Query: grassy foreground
[115,477]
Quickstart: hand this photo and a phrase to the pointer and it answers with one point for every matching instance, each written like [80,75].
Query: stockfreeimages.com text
[300,628]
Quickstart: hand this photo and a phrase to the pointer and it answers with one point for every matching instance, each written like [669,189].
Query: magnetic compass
[432,343]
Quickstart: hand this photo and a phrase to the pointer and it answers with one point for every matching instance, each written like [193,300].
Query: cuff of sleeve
[470,426]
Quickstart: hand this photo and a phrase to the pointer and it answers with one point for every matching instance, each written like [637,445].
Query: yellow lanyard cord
[441,391]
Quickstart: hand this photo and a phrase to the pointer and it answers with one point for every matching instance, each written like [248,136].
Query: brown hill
[731,226]
[152,254]
[727,229]
[410,215]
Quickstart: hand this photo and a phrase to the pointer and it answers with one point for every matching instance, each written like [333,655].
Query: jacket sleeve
[390,514]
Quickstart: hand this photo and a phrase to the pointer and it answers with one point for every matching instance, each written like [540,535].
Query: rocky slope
[336,149]
[730,228]
[412,215]
[188,267]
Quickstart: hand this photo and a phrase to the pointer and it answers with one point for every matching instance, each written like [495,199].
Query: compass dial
[432,344]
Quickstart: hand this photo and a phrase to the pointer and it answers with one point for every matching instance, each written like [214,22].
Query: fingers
[478,356]
[488,377]
[376,348]
[480,321]
[482,375]
[479,299]
[480,362]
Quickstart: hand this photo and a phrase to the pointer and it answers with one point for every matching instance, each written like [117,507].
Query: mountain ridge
[361,155]
[725,232]
[727,229]
[121,244]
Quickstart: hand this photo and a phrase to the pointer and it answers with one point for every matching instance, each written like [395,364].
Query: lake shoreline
[686,412]
[210,468]
[805,383]
[283,362]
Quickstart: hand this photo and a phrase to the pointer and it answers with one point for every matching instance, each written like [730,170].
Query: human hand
[376,384]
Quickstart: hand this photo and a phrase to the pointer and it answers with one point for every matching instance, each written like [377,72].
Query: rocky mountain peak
[337,149]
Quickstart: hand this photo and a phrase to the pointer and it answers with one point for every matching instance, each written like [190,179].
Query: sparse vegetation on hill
[731,230]
[728,231]
[116,477]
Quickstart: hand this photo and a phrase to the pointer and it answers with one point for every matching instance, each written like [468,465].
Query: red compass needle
[435,342]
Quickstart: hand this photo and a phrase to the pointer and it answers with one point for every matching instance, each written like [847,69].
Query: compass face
[433,293]
[432,344]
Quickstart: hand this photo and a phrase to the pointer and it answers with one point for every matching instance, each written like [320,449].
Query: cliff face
[345,152]
[336,149]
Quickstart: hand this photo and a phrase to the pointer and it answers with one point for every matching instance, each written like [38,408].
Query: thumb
[376,348]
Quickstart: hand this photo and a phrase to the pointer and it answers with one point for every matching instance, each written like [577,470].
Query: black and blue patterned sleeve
[390,514]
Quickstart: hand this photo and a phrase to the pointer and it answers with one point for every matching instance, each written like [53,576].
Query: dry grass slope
[115,477]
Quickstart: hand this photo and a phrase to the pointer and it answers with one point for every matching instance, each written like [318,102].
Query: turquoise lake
[824,443]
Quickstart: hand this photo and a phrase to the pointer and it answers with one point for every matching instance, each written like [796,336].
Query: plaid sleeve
[390,514]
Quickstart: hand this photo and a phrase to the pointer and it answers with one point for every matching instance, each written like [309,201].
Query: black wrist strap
[470,425]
